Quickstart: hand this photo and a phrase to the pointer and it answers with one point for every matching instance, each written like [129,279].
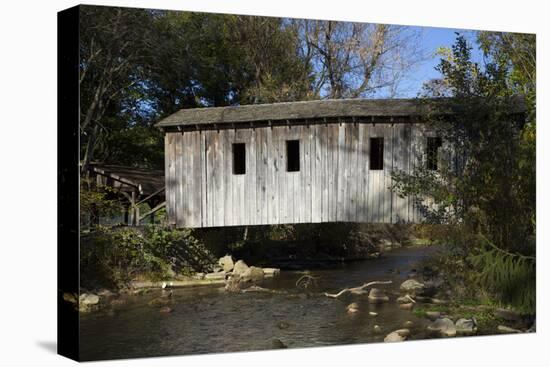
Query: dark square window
[376,153]
[239,159]
[434,143]
[292,155]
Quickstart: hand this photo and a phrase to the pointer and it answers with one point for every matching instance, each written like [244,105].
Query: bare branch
[356,290]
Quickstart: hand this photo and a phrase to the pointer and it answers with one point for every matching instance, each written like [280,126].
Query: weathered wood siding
[334,184]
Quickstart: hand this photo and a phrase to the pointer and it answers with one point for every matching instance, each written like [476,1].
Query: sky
[431,39]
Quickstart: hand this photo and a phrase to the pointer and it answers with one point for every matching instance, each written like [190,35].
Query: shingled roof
[330,109]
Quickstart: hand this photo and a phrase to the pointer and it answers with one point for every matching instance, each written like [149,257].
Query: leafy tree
[487,184]
[111,45]
[138,65]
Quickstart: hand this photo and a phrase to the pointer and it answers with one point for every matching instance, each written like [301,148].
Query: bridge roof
[143,180]
[328,110]
[320,109]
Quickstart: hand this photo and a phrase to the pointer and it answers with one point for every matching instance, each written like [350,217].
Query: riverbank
[114,258]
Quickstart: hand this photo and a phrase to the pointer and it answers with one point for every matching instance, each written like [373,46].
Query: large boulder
[397,336]
[240,267]
[443,327]
[465,326]
[377,296]
[239,281]
[412,286]
[226,263]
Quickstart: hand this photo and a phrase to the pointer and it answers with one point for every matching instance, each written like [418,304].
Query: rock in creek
[106,293]
[234,284]
[243,277]
[377,329]
[412,286]
[466,326]
[406,306]
[507,330]
[226,263]
[373,314]
[88,299]
[253,274]
[443,327]
[377,296]
[408,324]
[239,268]
[353,308]
[404,299]
[165,309]
[397,336]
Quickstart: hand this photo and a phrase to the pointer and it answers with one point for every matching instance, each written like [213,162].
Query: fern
[509,276]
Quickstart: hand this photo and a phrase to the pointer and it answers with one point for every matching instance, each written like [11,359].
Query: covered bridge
[296,162]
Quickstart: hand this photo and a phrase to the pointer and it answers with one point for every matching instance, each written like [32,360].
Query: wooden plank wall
[334,184]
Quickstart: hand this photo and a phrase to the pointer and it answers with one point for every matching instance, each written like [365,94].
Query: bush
[112,257]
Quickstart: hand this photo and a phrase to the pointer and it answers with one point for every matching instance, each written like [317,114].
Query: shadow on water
[209,320]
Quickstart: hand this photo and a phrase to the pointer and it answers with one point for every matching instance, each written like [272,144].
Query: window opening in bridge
[434,143]
[239,159]
[376,153]
[293,155]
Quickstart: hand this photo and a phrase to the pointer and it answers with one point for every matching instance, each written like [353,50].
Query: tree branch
[356,290]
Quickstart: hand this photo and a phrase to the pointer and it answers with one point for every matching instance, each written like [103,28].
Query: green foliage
[486,188]
[509,275]
[97,202]
[111,257]
[180,247]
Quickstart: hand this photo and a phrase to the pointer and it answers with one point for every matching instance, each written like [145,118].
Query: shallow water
[208,320]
